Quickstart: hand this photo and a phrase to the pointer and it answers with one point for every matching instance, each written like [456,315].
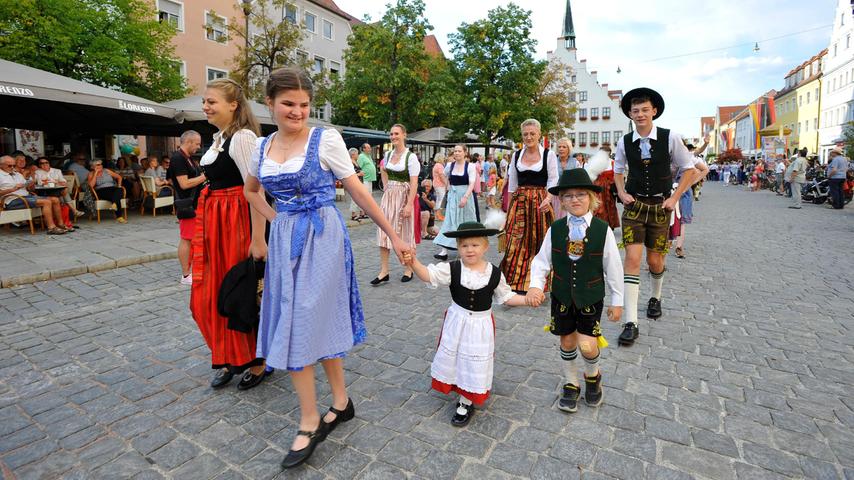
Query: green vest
[582,281]
[401,176]
[653,177]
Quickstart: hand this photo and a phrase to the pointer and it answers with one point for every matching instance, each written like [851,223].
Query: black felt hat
[574,178]
[471,229]
[654,97]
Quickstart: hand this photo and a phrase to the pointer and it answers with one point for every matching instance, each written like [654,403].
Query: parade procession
[351,239]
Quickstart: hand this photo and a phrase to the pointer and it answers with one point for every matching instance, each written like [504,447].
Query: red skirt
[220,241]
[607,210]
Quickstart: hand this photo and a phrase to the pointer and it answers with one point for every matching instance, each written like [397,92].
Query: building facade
[797,105]
[722,139]
[837,84]
[202,42]
[599,120]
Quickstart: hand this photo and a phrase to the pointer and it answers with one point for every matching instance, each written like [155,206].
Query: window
[582,96]
[171,12]
[318,65]
[815,123]
[606,137]
[847,40]
[572,79]
[594,112]
[319,112]
[310,22]
[582,113]
[216,28]
[582,138]
[606,113]
[617,135]
[334,68]
[290,13]
[214,73]
[327,29]
[594,138]
[834,50]
[800,100]
[572,138]
[808,98]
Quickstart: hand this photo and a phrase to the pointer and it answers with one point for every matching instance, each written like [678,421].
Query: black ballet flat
[406,278]
[341,416]
[295,458]
[379,280]
[251,380]
[221,379]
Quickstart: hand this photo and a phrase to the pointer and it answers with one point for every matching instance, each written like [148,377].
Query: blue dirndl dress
[310,308]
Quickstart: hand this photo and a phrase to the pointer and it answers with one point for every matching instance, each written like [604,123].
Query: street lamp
[247,9]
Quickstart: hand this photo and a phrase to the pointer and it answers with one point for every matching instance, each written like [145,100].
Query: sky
[612,33]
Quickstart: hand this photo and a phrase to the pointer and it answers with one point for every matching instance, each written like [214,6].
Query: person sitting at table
[159,182]
[105,183]
[25,166]
[46,176]
[78,168]
[124,167]
[164,167]
[13,183]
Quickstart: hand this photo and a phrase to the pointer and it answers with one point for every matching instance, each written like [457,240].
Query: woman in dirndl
[222,234]
[685,212]
[531,172]
[311,310]
[462,176]
[399,172]
[564,162]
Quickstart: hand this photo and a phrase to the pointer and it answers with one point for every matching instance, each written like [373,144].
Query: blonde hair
[565,140]
[243,116]
[439,158]
[595,201]
[531,122]
[485,240]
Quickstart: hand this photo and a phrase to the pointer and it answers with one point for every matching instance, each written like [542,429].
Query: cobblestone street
[748,374]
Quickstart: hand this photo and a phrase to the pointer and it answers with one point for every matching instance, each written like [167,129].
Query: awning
[773,130]
[38,100]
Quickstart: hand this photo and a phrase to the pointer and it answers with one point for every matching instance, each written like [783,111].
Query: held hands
[408,258]
[401,248]
[534,297]
[615,313]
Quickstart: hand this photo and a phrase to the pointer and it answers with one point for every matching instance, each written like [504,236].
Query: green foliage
[112,43]
[848,139]
[389,77]
[272,44]
[495,60]
[731,155]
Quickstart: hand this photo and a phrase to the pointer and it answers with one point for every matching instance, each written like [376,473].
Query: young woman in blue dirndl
[310,311]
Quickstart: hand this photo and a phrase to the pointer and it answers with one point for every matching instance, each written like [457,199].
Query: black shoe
[569,399]
[593,390]
[462,419]
[221,379]
[251,380]
[630,333]
[440,257]
[295,458]
[653,308]
[406,278]
[341,416]
[379,280]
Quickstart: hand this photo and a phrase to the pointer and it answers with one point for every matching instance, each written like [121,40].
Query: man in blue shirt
[836,171]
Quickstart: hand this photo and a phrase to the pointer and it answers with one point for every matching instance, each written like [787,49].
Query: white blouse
[54,175]
[240,150]
[414,164]
[440,274]
[551,165]
[331,151]
[472,171]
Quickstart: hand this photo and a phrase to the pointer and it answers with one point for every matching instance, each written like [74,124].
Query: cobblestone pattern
[749,374]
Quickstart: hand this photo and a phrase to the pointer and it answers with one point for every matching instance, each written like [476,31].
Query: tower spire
[568,28]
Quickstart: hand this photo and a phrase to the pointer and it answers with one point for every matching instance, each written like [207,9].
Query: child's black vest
[475,300]
[653,176]
[581,281]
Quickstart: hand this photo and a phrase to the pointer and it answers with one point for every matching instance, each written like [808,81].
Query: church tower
[568,29]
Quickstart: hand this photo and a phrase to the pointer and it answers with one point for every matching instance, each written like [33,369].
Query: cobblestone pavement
[749,374]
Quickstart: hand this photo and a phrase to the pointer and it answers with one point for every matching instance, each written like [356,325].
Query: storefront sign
[21,92]
[133,107]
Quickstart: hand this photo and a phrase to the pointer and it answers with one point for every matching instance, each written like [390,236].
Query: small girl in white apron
[464,357]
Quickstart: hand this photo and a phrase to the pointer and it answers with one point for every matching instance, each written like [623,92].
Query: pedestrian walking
[187,178]
[837,169]
[649,153]
[440,183]
[355,211]
[462,177]
[222,234]
[311,310]
[464,358]
[581,252]
[797,177]
[532,170]
[399,171]
[366,163]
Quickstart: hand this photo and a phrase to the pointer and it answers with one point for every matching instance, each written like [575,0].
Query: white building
[837,99]
[599,120]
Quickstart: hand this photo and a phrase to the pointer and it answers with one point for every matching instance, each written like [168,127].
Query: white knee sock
[465,401]
[591,366]
[570,365]
[657,282]
[631,286]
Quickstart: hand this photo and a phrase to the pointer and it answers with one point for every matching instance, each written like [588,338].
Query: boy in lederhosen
[581,252]
[650,154]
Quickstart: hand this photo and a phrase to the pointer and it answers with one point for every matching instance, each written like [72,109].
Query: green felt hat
[471,229]
[574,178]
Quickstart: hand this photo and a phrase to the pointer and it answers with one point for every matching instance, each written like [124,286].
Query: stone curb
[7,282]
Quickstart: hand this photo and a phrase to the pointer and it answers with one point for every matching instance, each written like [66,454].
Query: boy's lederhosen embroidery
[649,181]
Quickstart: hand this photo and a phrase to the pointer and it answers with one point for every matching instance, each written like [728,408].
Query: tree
[112,43]
[390,78]
[272,44]
[502,81]
[554,99]
[848,139]
[731,155]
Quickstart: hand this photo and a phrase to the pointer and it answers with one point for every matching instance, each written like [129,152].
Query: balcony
[594,117]
[606,117]
[582,118]
[594,144]
[582,144]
